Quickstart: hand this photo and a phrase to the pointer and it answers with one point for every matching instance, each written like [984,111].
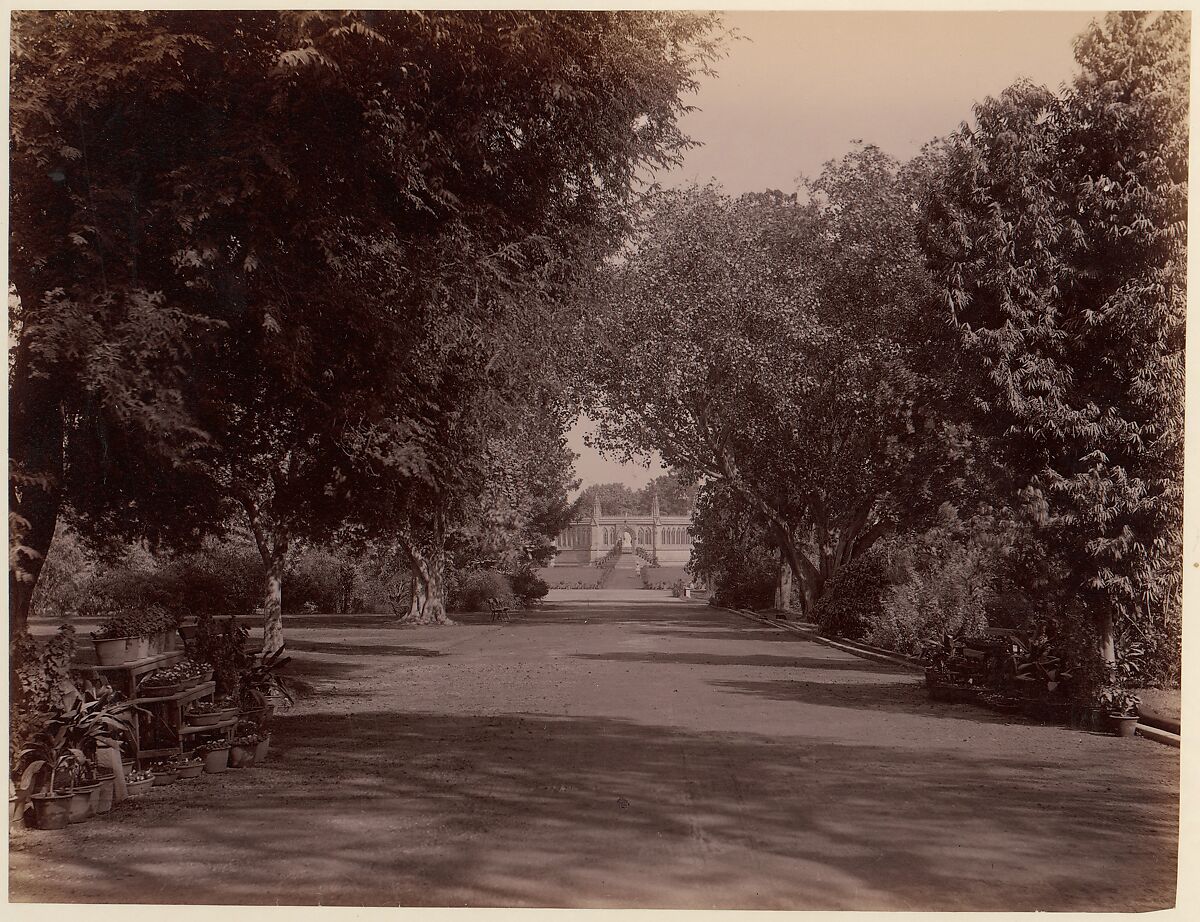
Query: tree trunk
[273,601]
[783,584]
[1108,640]
[273,550]
[35,474]
[427,561]
[811,581]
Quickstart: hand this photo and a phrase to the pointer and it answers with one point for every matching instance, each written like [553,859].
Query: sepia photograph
[648,459]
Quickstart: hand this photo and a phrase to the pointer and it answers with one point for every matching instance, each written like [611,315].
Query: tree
[785,348]
[319,232]
[1059,237]
[615,499]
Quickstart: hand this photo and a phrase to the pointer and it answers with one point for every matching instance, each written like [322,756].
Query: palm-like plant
[69,739]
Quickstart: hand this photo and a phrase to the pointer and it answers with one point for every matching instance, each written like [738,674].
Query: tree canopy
[1059,235]
[323,240]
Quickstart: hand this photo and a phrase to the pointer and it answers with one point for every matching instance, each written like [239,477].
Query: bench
[499,612]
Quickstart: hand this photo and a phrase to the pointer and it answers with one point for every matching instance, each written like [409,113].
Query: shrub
[528,586]
[851,602]
[947,597]
[474,587]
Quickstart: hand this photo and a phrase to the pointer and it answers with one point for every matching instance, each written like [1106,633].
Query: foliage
[674,497]
[194,243]
[223,645]
[853,600]
[528,586]
[942,583]
[1058,233]
[476,587]
[787,349]
[731,552]
[39,683]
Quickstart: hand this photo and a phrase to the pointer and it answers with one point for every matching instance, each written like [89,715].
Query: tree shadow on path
[386,808]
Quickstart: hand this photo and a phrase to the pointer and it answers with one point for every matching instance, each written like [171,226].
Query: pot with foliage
[139,781]
[203,714]
[165,773]
[189,768]
[1122,709]
[262,688]
[241,753]
[215,755]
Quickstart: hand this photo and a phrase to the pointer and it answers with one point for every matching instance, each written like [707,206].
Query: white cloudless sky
[800,87]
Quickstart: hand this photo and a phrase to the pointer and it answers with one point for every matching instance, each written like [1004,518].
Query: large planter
[51,811]
[216,761]
[241,756]
[260,751]
[115,651]
[134,788]
[80,806]
[203,720]
[103,800]
[142,647]
[164,776]
[227,713]
[1123,725]
[192,769]
[161,691]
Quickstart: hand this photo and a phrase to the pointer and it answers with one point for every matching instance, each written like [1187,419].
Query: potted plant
[189,768]
[106,783]
[1122,709]
[67,741]
[261,687]
[203,714]
[165,773]
[260,750]
[113,643]
[215,755]
[241,753]
[81,787]
[138,781]
[46,753]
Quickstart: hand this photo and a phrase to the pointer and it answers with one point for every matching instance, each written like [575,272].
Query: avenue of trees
[324,291]
[304,276]
[942,392]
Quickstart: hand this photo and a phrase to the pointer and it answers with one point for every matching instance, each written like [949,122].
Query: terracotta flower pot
[134,788]
[115,651]
[1123,725]
[103,800]
[216,761]
[204,720]
[260,751]
[51,811]
[165,776]
[191,770]
[80,806]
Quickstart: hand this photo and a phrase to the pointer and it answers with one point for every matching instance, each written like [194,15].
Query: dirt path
[632,755]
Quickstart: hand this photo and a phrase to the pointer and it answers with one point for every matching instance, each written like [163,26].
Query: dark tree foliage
[272,257]
[1059,237]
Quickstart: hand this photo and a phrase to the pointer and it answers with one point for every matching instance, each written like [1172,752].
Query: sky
[798,88]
